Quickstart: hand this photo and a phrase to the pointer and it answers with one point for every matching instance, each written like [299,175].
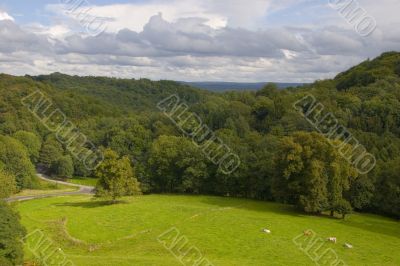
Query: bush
[343,207]
[11,234]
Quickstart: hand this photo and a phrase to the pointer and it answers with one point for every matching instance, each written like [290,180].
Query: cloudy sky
[195,40]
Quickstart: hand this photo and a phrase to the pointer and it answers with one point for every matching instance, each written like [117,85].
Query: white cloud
[217,14]
[188,36]
[135,16]
[5,16]
[224,40]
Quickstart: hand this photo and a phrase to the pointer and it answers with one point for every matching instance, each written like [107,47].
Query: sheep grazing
[266,231]
[347,245]
[332,239]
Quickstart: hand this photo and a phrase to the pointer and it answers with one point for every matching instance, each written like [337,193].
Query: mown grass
[86,181]
[226,231]
[45,187]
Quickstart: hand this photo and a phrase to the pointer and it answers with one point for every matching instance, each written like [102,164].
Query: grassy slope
[86,181]
[46,188]
[226,231]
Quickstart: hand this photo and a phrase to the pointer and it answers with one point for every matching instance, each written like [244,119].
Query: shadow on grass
[91,204]
[376,224]
[254,205]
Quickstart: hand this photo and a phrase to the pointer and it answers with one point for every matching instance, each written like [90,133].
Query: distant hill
[228,86]
[384,66]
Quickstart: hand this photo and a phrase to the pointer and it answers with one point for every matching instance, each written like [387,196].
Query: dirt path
[82,190]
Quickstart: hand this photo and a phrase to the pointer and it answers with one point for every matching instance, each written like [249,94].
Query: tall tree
[15,159]
[311,173]
[51,151]
[116,177]
[177,165]
[63,167]
[387,198]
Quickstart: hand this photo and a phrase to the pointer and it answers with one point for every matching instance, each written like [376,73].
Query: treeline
[281,158]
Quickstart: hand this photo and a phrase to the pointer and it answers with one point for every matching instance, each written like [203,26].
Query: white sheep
[266,231]
[347,245]
[332,239]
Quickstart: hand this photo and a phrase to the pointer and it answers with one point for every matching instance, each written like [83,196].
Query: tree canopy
[11,236]
[311,173]
[278,152]
[116,177]
[15,159]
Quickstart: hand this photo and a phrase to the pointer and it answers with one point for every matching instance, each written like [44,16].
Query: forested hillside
[280,158]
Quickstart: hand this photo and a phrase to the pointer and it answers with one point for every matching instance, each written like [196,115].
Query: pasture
[226,231]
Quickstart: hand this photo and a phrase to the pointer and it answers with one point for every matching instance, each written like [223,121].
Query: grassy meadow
[45,188]
[226,231]
[85,181]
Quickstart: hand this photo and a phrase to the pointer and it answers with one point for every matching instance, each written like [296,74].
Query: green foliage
[369,71]
[116,177]
[8,184]
[263,107]
[80,169]
[177,165]
[63,167]
[361,192]
[355,79]
[270,90]
[129,138]
[397,68]
[51,151]
[311,173]
[122,114]
[388,188]
[32,143]
[15,160]
[343,207]
[11,234]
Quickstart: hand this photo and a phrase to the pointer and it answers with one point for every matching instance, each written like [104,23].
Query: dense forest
[282,157]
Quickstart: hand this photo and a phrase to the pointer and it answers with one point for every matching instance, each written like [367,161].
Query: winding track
[82,190]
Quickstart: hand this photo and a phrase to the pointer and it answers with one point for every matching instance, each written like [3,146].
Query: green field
[46,188]
[86,181]
[226,231]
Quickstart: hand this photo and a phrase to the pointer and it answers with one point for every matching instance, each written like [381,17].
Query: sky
[195,40]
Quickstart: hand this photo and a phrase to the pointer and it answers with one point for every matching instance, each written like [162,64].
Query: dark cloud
[185,37]
[335,41]
[15,39]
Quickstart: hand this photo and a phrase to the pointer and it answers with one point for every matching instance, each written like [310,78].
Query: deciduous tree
[311,173]
[31,141]
[116,177]
[63,167]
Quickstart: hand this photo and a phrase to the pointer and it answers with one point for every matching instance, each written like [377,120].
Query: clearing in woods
[226,231]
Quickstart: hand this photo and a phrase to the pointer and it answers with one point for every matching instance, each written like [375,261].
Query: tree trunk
[332,213]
